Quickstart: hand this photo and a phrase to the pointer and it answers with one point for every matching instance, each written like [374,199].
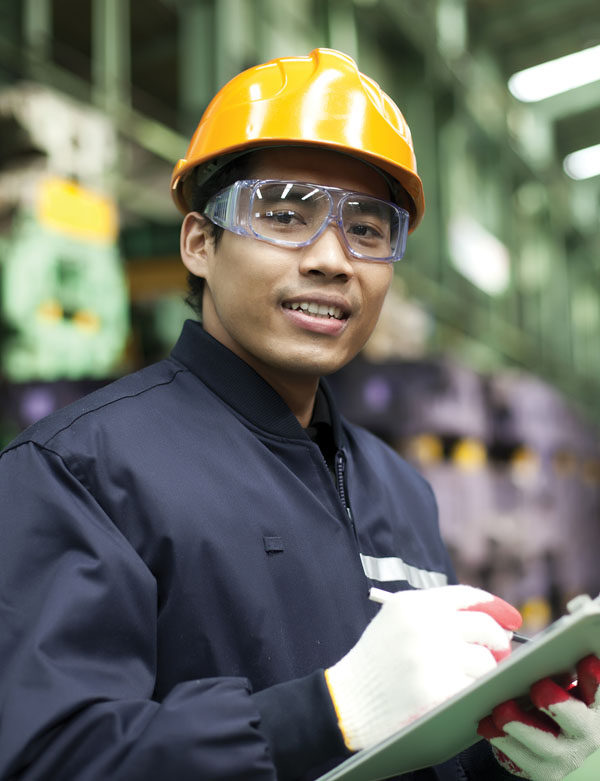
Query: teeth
[319,310]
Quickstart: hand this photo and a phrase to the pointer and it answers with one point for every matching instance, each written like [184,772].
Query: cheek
[231,281]
[375,288]
[241,295]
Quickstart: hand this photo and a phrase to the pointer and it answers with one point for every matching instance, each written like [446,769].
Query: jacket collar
[243,389]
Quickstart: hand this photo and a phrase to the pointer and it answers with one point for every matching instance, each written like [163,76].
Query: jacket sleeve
[78,617]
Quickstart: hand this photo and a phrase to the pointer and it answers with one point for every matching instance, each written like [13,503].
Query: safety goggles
[295,214]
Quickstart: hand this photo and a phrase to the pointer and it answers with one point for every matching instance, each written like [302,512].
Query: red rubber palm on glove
[555,737]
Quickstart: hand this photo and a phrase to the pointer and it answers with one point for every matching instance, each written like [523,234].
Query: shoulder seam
[88,412]
[44,447]
[120,539]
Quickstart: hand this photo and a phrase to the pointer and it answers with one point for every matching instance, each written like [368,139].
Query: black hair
[232,172]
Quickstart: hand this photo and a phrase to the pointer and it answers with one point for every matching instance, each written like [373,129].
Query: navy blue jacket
[172,543]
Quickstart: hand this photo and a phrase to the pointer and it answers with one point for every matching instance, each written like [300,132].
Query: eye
[285,216]
[365,230]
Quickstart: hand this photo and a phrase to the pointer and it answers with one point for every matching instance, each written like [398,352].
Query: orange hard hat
[318,100]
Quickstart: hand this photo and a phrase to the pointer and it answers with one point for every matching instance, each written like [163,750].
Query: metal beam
[37,28]
[111,53]
[531,19]
[230,51]
[151,135]
[196,67]
[341,24]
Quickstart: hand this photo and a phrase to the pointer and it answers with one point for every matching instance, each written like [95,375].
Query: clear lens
[288,211]
[370,225]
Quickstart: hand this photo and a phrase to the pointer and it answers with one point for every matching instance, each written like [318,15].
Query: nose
[327,256]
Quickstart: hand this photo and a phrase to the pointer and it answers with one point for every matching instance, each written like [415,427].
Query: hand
[550,740]
[420,649]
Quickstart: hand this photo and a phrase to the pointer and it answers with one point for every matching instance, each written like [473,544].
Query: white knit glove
[548,741]
[420,649]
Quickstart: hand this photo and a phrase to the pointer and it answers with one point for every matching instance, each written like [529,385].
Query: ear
[196,244]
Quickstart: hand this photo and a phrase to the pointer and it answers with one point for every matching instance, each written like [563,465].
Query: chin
[314,367]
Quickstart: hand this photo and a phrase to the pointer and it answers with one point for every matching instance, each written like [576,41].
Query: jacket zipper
[340,477]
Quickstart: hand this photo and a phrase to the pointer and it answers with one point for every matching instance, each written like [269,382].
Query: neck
[297,392]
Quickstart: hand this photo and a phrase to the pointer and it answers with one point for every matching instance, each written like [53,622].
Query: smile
[317,310]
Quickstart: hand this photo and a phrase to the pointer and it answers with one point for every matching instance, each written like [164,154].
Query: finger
[572,715]
[476,627]
[488,729]
[545,756]
[477,660]
[512,711]
[476,599]
[588,681]
[526,742]
[509,764]
[510,752]
[520,761]
[461,597]
[502,612]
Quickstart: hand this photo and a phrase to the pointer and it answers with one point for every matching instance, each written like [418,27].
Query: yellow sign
[68,208]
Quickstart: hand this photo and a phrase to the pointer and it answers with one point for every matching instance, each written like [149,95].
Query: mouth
[311,308]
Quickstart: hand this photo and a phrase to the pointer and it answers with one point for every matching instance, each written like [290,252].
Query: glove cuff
[362,720]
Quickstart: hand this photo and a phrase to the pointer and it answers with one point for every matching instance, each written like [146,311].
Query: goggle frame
[225,209]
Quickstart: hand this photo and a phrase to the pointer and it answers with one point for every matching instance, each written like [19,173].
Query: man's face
[252,288]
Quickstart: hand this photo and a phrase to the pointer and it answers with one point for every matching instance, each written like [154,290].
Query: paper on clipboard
[451,727]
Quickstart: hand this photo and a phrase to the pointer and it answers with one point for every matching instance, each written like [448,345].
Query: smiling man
[186,555]
[296,313]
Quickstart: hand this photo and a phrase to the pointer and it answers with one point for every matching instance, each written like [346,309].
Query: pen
[381,596]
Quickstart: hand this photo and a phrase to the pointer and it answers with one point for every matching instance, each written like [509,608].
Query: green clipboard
[451,727]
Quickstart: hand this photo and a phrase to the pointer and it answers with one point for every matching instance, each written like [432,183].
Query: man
[186,555]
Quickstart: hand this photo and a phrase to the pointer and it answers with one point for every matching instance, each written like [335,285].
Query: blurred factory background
[485,369]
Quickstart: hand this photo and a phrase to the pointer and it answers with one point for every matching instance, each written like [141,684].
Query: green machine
[63,290]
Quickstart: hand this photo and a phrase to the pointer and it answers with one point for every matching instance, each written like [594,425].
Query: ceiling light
[556,76]
[584,163]
[478,255]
